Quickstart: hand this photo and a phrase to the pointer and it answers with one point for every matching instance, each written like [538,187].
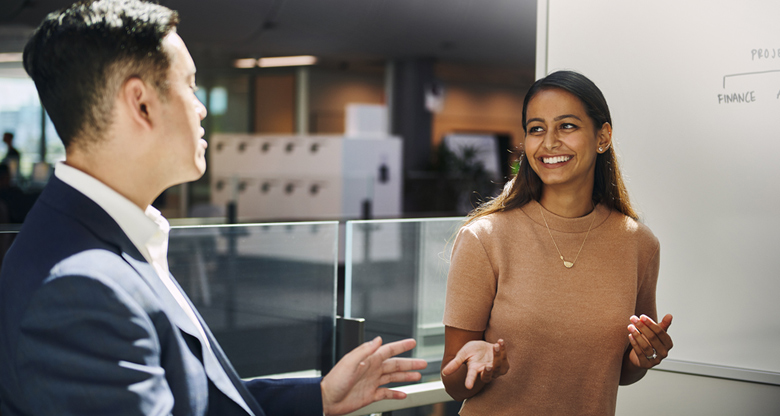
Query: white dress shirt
[148,231]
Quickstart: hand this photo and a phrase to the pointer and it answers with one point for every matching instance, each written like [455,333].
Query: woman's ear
[604,138]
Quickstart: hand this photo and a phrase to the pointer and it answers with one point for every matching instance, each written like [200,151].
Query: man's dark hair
[81,55]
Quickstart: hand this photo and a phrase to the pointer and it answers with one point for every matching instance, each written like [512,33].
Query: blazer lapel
[175,313]
[213,358]
[224,363]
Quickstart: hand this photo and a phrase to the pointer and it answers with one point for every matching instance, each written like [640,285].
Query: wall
[332,89]
[274,103]
[665,393]
[469,108]
[701,169]
[481,99]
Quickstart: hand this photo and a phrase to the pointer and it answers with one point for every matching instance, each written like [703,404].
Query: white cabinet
[275,177]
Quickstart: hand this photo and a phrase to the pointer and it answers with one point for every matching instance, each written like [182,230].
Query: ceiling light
[287,61]
[11,57]
[245,63]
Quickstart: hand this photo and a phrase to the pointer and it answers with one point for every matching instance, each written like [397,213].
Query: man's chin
[200,168]
[199,175]
[196,174]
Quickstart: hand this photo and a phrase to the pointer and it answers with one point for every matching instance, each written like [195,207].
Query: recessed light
[245,63]
[287,61]
[11,57]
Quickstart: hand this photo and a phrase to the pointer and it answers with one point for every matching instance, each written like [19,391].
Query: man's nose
[201,109]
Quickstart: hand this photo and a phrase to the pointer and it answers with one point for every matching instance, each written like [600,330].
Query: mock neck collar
[596,217]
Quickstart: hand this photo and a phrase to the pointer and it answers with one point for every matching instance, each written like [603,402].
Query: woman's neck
[567,204]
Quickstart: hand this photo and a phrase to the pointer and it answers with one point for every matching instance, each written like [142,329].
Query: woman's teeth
[556,159]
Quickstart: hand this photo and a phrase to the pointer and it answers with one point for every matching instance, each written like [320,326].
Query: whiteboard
[694,91]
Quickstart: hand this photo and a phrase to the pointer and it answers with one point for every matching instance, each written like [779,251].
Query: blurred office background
[422,71]
[349,173]
[407,109]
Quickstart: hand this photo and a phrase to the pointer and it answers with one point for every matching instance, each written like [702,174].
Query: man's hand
[356,379]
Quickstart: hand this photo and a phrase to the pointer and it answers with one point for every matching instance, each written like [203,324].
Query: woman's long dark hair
[608,187]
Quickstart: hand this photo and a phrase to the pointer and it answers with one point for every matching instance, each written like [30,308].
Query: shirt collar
[139,226]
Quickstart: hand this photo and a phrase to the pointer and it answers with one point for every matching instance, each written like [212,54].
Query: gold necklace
[568,264]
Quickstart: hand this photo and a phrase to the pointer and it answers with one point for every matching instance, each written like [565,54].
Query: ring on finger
[652,357]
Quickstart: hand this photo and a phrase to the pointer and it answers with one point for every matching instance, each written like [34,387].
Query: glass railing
[267,291]
[395,278]
[8,233]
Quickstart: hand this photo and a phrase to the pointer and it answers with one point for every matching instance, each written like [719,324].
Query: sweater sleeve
[471,284]
[645,301]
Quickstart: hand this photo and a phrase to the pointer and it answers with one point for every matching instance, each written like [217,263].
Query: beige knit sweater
[565,329]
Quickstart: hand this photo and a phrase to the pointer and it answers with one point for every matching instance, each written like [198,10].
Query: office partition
[395,279]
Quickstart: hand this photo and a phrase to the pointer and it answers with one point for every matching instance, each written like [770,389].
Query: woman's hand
[470,362]
[649,341]
[483,359]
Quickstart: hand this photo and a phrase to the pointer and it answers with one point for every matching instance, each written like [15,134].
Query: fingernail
[634,319]
[644,318]
[632,328]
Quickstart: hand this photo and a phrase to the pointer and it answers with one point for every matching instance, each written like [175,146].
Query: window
[20,114]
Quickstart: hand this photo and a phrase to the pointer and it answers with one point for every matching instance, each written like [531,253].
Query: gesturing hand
[483,359]
[649,341]
[355,381]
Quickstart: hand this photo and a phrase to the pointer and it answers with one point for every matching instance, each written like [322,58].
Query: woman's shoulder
[494,222]
[635,229]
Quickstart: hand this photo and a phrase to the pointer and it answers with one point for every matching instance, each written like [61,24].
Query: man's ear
[604,137]
[139,100]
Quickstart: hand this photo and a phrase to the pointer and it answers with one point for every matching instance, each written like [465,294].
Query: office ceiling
[488,32]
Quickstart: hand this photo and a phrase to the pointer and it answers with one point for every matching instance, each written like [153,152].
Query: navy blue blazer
[88,328]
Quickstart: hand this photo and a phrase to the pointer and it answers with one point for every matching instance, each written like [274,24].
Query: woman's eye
[534,129]
[568,126]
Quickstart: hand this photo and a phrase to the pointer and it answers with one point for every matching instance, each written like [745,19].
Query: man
[12,156]
[91,322]
[11,152]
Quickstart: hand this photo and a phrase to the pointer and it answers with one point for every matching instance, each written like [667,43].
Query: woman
[551,289]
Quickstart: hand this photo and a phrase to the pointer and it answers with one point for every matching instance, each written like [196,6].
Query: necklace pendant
[567,264]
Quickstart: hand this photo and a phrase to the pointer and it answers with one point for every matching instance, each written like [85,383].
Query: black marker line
[746,73]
